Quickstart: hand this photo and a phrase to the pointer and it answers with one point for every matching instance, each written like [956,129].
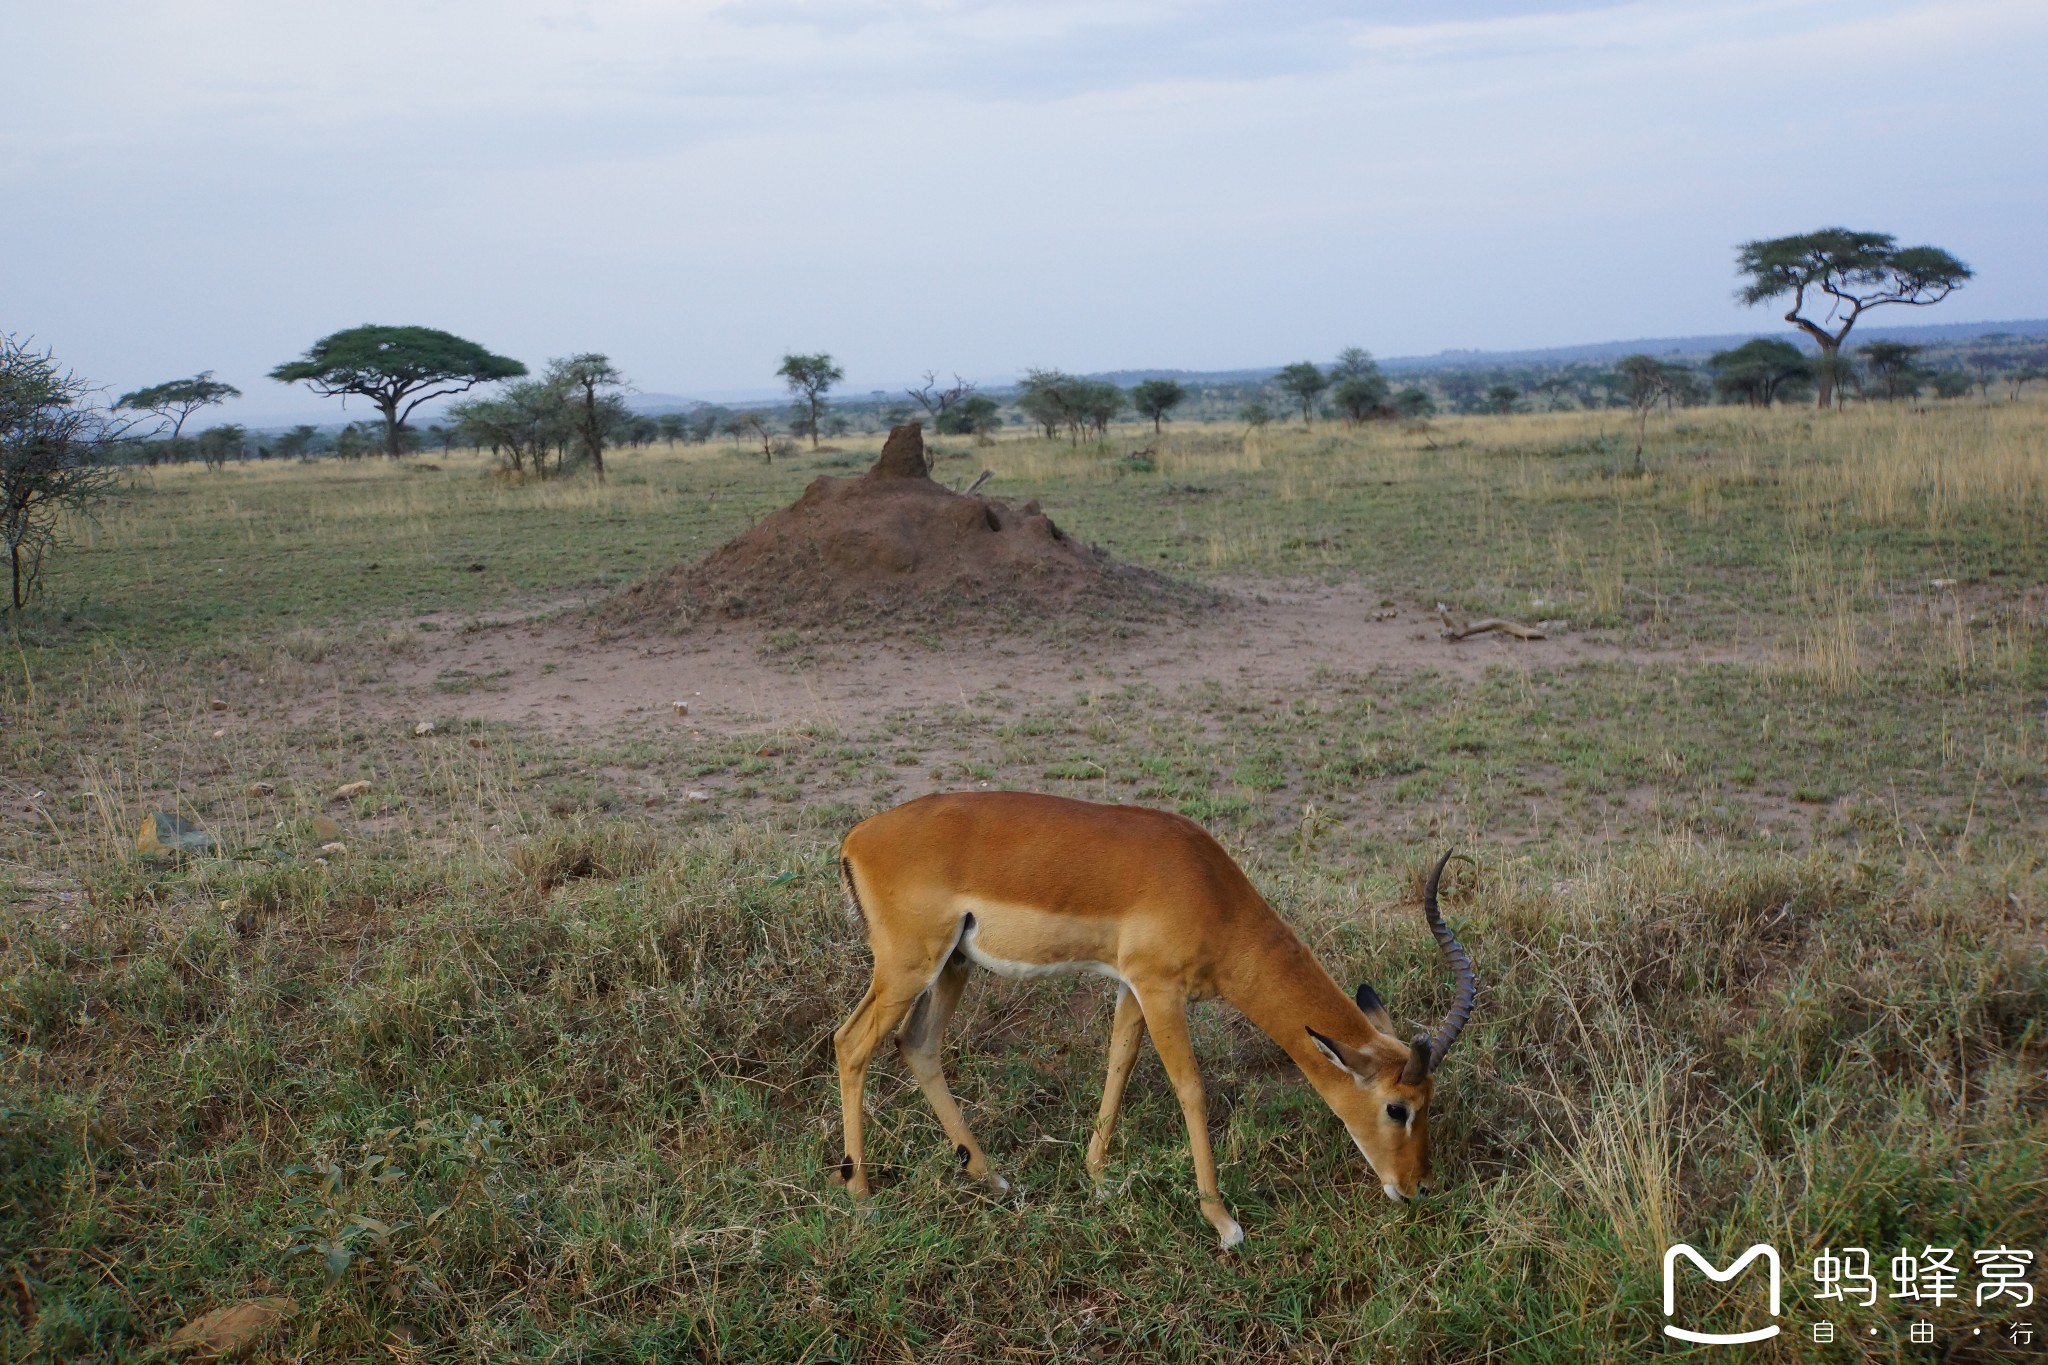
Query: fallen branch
[1458,630]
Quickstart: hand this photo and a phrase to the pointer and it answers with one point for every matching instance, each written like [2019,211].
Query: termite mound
[893,547]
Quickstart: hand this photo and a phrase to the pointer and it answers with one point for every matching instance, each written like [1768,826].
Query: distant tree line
[567,417]
[58,450]
[570,415]
[1759,373]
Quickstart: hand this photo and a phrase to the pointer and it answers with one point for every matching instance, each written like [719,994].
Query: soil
[558,676]
[895,549]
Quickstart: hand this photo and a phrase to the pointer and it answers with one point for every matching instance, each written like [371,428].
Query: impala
[1025,885]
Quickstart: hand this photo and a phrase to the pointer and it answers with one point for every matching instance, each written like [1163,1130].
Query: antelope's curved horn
[1461,966]
[1417,1065]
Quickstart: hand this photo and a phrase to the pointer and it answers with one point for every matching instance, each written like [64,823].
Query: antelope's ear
[1348,1060]
[1375,1011]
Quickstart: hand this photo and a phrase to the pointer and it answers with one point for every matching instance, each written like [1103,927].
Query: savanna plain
[523,1050]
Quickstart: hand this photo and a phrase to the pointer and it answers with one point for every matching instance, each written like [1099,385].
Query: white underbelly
[1028,971]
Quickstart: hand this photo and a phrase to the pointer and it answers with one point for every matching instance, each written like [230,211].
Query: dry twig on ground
[1455,629]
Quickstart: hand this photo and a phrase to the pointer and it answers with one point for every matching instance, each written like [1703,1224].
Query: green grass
[537,1070]
[1743,520]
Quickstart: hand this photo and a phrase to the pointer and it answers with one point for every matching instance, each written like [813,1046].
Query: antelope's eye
[1398,1113]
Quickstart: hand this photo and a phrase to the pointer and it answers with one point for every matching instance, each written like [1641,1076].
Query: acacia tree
[294,444]
[975,415]
[353,441]
[1757,371]
[50,469]
[1352,362]
[705,420]
[1155,398]
[1055,399]
[1855,271]
[519,425]
[1040,397]
[1097,402]
[1306,383]
[1644,381]
[1836,373]
[1683,387]
[1413,403]
[2022,374]
[396,368]
[591,386]
[1893,368]
[177,399]
[810,378]
[218,445]
[753,426]
[1985,367]
[1356,385]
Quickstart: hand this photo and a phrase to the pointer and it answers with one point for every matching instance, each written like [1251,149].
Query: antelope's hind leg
[913,943]
[919,1041]
[889,998]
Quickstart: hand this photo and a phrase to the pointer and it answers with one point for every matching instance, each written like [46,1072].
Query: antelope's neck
[1278,985]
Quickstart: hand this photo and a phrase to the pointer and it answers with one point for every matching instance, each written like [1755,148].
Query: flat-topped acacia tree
[396,368]
[176,401]
[1856,271]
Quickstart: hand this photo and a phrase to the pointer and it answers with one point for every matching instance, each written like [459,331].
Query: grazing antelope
[1026,885]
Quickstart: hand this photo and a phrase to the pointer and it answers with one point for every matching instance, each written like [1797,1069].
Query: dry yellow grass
[1889,465]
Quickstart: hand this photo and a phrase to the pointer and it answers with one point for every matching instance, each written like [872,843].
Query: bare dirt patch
[563,676]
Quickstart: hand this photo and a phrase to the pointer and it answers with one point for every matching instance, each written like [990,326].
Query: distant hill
[1938,333]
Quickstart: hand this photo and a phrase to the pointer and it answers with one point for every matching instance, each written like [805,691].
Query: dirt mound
[893,546]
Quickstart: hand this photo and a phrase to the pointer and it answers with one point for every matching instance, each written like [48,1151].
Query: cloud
[981,185]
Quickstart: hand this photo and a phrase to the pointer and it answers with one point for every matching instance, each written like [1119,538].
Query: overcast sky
[981,185]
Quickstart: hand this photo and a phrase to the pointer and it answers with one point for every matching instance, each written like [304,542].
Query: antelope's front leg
[1124,1036]
[1167,1020]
